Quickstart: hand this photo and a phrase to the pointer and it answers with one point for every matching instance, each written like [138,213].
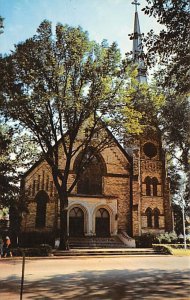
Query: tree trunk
[15,224]
[63,222]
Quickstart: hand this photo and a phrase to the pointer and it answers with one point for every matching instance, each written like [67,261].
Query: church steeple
[137,47]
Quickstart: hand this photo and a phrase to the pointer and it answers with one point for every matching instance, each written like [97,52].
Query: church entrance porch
[92,217]
[102,225]
[76,222]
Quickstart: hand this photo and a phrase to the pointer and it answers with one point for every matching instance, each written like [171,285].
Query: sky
[103,19]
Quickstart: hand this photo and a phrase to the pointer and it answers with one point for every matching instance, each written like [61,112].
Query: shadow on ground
[111,284]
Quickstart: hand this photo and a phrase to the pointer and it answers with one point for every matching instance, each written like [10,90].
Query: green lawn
[173,249]
[181,252]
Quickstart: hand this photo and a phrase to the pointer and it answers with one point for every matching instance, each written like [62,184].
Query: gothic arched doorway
[102,223]
[76,222]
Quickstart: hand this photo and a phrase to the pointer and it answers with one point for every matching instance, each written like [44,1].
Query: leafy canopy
[65,90]
[53,85]
[170,48]
[58,87]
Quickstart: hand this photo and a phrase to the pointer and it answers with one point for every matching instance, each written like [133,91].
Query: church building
[125,189]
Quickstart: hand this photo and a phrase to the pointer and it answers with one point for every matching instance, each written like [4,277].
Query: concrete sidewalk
[96,278]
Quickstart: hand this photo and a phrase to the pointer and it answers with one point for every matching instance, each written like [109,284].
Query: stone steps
[95,242]
[106,252]
[104,246]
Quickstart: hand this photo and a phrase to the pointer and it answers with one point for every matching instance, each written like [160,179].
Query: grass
[172,249]
[180,252]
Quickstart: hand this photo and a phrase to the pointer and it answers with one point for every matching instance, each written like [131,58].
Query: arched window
[90,180]
[149,217]
[76,212]
[156,217]
[155,186]
[102,223]
[41,199]
[148,186]
[102,213]
[76,222]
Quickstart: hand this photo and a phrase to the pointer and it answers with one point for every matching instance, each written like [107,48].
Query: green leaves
[170,48]
[175,122]
[170,51]
[63,89]
[65,78]
[8,178]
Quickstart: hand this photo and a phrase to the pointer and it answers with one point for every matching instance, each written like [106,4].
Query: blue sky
[103,19]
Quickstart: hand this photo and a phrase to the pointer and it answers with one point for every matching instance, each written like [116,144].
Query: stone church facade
[123,190]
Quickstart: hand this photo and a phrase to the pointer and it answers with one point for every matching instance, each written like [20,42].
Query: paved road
[118,278]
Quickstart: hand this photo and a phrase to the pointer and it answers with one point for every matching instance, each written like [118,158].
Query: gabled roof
[129,158]
[33,167]
[126,154]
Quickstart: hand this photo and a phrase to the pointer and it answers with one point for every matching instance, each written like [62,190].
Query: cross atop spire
[136,3]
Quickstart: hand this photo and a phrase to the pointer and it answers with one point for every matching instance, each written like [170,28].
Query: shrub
[33,238]
[166,238]
[173,237]
[145,240]
[165,249]
[41,250]
[179,246]
[45,249]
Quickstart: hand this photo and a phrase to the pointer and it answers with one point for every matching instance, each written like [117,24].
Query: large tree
[8,178]
[64,89]
[17,153]
[170,51]
[170,48]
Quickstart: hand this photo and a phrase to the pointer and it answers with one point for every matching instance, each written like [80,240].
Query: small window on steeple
[149,217]
[156,214]
[148,186]
[155,186]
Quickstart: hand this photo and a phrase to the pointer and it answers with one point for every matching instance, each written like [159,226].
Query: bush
[36,238]
[45,249]
[165,249]
[166,238]
[145,240]
[173,237]
[41,250]
[179,246]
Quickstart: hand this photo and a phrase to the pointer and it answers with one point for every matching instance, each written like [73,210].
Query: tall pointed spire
[137,47]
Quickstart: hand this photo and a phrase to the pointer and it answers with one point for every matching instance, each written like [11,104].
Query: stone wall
[123,191]
[115,196]
[152,166]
